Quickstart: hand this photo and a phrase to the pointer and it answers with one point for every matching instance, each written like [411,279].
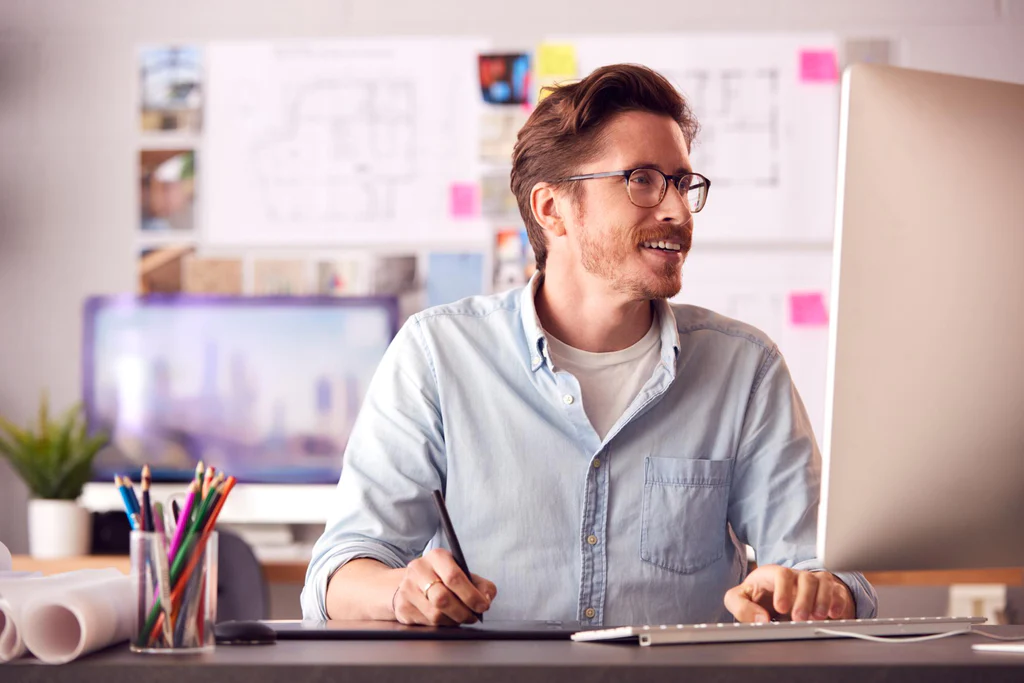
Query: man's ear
[544,203]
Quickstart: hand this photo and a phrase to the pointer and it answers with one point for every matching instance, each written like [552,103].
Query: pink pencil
[179,533]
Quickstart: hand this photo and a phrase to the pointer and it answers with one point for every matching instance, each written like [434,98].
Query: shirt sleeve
[393,461]
[777,482]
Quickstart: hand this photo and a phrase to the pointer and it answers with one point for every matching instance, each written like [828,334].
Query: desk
[837,661]
[294,571]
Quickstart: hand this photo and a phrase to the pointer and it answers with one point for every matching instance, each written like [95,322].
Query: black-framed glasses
[646,187]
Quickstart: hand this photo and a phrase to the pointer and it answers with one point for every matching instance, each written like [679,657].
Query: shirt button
[589,613]
[568,399]
[592,539]
[536,360]
[597,462]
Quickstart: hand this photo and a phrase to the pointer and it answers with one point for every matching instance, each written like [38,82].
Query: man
[604,455]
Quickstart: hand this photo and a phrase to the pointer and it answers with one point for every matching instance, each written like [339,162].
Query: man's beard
[605,261]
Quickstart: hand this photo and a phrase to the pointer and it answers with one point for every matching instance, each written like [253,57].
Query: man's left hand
[773,592]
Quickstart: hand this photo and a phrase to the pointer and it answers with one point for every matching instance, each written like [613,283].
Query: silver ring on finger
[427,586]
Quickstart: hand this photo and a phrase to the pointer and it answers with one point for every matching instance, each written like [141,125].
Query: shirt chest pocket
[685,510]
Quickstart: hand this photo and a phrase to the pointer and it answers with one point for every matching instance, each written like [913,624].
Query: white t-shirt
[609,381]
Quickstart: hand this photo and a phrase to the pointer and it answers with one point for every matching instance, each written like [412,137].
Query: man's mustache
[680,233]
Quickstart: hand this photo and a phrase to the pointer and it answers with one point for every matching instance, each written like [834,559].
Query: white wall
[67,124]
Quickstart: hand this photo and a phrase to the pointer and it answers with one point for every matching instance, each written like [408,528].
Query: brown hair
[564,131]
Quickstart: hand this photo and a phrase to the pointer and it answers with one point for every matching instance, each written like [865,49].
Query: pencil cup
[176,593]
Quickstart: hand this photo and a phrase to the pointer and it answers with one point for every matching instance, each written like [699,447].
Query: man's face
[608,231]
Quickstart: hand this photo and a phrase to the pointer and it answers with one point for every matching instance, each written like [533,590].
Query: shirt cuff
[864,596]
[863,593]
[314,592]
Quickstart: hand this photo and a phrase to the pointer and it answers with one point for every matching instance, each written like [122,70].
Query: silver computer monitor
[923,446]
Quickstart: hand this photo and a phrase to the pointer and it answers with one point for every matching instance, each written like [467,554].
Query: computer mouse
[244,633]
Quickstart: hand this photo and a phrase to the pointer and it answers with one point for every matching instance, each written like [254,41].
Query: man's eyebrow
[651,164]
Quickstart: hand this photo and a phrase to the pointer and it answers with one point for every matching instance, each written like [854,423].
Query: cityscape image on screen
[266,389]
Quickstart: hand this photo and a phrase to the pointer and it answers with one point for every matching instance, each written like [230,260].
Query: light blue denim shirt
[644,527]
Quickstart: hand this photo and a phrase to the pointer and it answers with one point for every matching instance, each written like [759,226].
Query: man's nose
[673,207]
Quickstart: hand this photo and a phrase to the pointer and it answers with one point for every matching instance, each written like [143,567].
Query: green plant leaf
[17,433]
[6,447]
[79,468]
[44,415]
[54,460]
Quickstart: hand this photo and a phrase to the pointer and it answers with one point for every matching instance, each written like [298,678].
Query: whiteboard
[769,113]
[757,287]
[346,142]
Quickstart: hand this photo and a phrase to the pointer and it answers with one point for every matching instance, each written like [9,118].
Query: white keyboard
[776,630]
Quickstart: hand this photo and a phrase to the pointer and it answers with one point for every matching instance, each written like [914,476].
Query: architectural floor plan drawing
[738,110]
[338,142]
[342,153]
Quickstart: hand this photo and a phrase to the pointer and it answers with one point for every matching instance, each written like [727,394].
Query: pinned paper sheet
[464,200]
[818,66]
[556,59]
[451,277]
[807,309]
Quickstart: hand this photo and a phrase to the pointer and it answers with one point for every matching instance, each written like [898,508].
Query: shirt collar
[669,334]
[537,343]
[531,323]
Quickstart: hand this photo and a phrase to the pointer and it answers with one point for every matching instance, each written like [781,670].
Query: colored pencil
[128,508]
[207,480]
[179,533]
[158,518]
[127,481]
[147,508]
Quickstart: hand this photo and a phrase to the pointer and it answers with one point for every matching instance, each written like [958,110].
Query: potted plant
[54,459]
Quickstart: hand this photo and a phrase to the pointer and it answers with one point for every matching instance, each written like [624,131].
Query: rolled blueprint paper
[15,593]
[79,619]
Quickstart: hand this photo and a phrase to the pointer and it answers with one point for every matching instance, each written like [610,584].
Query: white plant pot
[58,528]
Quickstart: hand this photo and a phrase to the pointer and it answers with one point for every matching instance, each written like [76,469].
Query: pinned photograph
[451,277]
[212,276]
[171,90]
[160,268]
[514,263]
[279,278]
[498,131]
[167,190]
[496,198]
[399,275]
[505,79]
[344,276]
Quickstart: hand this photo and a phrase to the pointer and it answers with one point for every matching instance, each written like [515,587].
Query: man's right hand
[434,591]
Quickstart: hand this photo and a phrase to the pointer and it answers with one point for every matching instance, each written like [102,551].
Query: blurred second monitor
[924,437]
[265,389]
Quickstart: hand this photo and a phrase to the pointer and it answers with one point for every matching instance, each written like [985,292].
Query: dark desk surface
[834,661]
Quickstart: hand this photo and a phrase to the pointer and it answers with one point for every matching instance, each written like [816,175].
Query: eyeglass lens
[647,188]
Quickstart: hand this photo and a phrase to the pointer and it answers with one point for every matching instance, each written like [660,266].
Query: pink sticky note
[465,200]
[818,66]
[807,309]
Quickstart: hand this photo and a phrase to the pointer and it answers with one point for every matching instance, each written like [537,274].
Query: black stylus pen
[453,540]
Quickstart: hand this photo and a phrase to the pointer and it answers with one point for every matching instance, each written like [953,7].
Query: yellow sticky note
[544,86]
[556,59]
